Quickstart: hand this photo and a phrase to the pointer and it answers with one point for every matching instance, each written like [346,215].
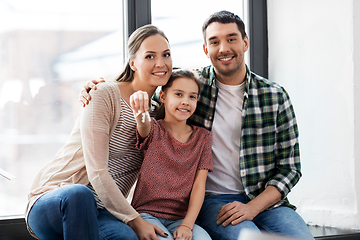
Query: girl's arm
[139,102]
[196,200]
[96,123]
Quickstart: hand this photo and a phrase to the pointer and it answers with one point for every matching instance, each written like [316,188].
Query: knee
[122,235]
[79,194]
[200,234]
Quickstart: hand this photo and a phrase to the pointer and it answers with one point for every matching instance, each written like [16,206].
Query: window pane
[182,23]
[48,49]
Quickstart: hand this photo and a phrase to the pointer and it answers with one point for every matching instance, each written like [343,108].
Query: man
[255,140]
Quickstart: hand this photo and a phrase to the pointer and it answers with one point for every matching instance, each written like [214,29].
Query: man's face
[226,48]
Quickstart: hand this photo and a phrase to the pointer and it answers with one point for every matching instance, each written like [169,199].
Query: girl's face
[152,63]
[180,99]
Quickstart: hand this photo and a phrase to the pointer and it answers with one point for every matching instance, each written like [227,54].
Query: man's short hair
[224,17]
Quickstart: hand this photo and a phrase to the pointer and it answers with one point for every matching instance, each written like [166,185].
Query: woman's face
[152,63]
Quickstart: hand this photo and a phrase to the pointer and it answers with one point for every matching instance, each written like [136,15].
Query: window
[48,49]
[182,23]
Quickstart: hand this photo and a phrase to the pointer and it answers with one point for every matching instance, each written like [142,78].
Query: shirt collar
[212,76]
[247,78]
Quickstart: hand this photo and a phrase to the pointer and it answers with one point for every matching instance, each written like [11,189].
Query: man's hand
[234,213]
[145,230]
[85,97]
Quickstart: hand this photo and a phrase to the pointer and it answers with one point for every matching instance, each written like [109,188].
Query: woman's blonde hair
[134,43]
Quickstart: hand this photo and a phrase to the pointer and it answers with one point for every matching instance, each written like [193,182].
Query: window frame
[258,37]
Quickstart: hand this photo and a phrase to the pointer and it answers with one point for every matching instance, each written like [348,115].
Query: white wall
[313,53]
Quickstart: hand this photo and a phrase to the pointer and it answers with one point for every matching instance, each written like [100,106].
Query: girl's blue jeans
[281,220]
[169,226]
[70,212]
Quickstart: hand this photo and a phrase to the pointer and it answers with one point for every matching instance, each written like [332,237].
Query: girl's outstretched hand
[139,102]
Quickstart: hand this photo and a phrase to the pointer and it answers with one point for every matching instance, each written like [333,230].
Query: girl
[81,193]
[177,157]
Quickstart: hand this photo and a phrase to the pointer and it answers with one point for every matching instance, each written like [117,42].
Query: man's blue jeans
[70,212]
[282,220]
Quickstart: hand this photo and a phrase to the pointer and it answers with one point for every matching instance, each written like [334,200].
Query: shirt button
[243,172]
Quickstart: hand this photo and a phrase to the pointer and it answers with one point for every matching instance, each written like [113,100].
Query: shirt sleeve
[287,149]
[206,161]
[97,120]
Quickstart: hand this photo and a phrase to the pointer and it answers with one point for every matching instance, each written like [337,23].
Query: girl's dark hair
[180,73]
[224,17]
[134,43]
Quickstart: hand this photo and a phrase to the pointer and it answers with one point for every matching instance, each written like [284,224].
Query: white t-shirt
[226,131]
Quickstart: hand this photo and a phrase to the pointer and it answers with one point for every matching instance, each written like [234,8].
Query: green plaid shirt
[269,148]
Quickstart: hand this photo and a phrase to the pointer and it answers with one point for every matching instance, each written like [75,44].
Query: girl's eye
[178,94]
[193,97]
[167,55]
[150,57]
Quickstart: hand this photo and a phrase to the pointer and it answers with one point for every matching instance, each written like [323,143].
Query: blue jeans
[169,226]
[282,220]
[70,212]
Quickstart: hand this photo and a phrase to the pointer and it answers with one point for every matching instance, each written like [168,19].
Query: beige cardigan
[85,156]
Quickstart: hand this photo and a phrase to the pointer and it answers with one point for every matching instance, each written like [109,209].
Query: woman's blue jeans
[70,212]
[282,220]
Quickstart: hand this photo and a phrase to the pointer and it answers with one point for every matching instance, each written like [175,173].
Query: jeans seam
[103,236]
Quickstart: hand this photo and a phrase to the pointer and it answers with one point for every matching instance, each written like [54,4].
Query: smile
[183,110]
[225,59]
[159,73]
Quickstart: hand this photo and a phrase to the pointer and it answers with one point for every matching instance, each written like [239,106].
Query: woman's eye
[149,57]
[167,55]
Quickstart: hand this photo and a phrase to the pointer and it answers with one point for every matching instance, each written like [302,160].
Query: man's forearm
[266,199]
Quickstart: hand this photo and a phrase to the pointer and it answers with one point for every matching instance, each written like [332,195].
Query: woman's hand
[183,233]
[85,97]
[145,230]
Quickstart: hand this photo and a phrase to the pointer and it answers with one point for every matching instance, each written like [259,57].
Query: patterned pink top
[168,170]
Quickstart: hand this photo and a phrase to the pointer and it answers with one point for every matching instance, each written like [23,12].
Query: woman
[81,193]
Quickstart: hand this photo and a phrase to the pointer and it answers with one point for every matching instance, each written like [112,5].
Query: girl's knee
[199,233]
